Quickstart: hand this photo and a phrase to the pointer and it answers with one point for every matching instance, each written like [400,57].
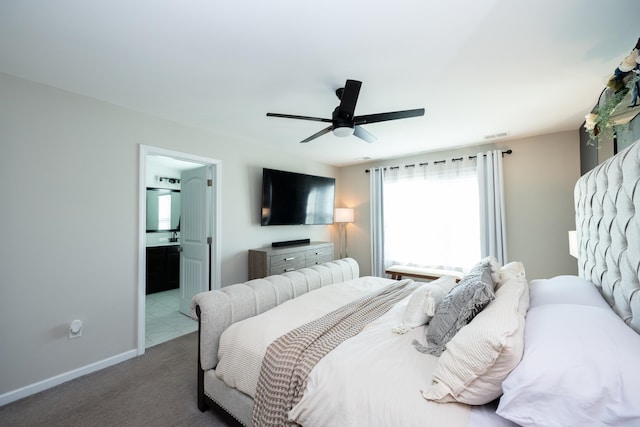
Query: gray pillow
[459,307]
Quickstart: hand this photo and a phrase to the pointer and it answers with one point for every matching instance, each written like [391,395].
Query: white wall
[539,179]
[69,217]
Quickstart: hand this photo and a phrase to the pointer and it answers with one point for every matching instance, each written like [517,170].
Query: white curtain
[377,222]
[492,213]
[431,215]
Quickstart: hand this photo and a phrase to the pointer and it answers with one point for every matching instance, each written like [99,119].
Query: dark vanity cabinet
[163,268]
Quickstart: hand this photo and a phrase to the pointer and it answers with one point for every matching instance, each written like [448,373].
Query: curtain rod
[435,162]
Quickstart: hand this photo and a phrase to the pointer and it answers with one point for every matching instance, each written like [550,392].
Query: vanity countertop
[162,243]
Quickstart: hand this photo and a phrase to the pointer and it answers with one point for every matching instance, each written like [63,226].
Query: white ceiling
[478,67]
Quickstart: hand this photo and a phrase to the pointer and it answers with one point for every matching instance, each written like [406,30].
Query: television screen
[290,198]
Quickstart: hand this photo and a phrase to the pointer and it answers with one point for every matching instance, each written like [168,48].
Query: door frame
[214,261]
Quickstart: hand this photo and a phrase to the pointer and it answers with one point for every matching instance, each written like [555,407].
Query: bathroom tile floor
[163,320]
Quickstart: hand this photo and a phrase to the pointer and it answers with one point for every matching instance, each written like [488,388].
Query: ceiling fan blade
[361,133]
[291,116]
[383,117]
[349,99]
[318,134]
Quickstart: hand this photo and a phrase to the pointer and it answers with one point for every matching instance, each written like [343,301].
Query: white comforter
[243,344]
[372,379]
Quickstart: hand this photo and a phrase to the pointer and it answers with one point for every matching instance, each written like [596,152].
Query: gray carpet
[156,389]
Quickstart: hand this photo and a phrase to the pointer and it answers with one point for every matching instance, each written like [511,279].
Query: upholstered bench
[399,271]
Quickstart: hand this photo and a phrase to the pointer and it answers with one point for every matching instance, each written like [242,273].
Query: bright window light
[432,222]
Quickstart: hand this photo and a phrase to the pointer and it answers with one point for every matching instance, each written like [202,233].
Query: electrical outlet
[75,329]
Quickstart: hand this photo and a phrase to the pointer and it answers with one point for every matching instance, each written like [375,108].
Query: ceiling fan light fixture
[343,131]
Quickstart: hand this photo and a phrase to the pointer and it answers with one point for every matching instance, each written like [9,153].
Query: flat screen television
[290,198]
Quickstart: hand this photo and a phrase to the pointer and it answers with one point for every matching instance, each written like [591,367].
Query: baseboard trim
[25,391]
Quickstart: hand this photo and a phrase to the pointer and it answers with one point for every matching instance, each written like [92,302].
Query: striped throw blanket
[290,358]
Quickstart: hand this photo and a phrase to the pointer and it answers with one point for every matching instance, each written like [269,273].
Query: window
[431,216]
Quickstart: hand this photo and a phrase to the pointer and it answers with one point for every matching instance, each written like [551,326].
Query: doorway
[152,160]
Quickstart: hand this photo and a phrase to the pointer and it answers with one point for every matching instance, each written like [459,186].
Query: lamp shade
[343,215]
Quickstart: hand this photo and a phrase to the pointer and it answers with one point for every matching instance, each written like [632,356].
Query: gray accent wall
[629,133]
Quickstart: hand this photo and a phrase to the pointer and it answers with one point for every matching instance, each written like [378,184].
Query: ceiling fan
[344,123]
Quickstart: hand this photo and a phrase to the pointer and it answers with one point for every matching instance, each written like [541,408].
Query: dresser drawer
[315,259]
[318,260]
[282,264]
[318,256]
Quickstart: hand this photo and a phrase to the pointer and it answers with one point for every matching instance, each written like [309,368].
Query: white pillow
[509,271]
[566,290]
[481,355]
[580,367]
[423,302]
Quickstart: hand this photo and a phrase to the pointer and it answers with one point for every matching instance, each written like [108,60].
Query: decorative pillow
[495,268]
[509,271]
[580,367]
[423,302]
[461,304]
[481,355]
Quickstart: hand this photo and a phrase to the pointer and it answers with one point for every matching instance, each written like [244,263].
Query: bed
[494,350]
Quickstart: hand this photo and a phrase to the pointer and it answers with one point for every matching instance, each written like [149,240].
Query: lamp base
[343,246]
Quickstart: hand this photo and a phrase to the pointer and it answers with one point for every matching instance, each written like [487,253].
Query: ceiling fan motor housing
[342,123]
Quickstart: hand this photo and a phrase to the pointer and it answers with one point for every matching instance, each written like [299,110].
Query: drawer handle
[290,259]
[318,253]
[289,269]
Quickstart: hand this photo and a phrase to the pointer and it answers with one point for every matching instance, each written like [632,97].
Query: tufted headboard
[607,201]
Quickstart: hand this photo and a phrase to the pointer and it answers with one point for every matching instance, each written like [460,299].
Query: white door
[195,228]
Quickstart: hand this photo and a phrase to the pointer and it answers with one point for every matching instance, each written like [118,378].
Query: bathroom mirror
[163,209]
